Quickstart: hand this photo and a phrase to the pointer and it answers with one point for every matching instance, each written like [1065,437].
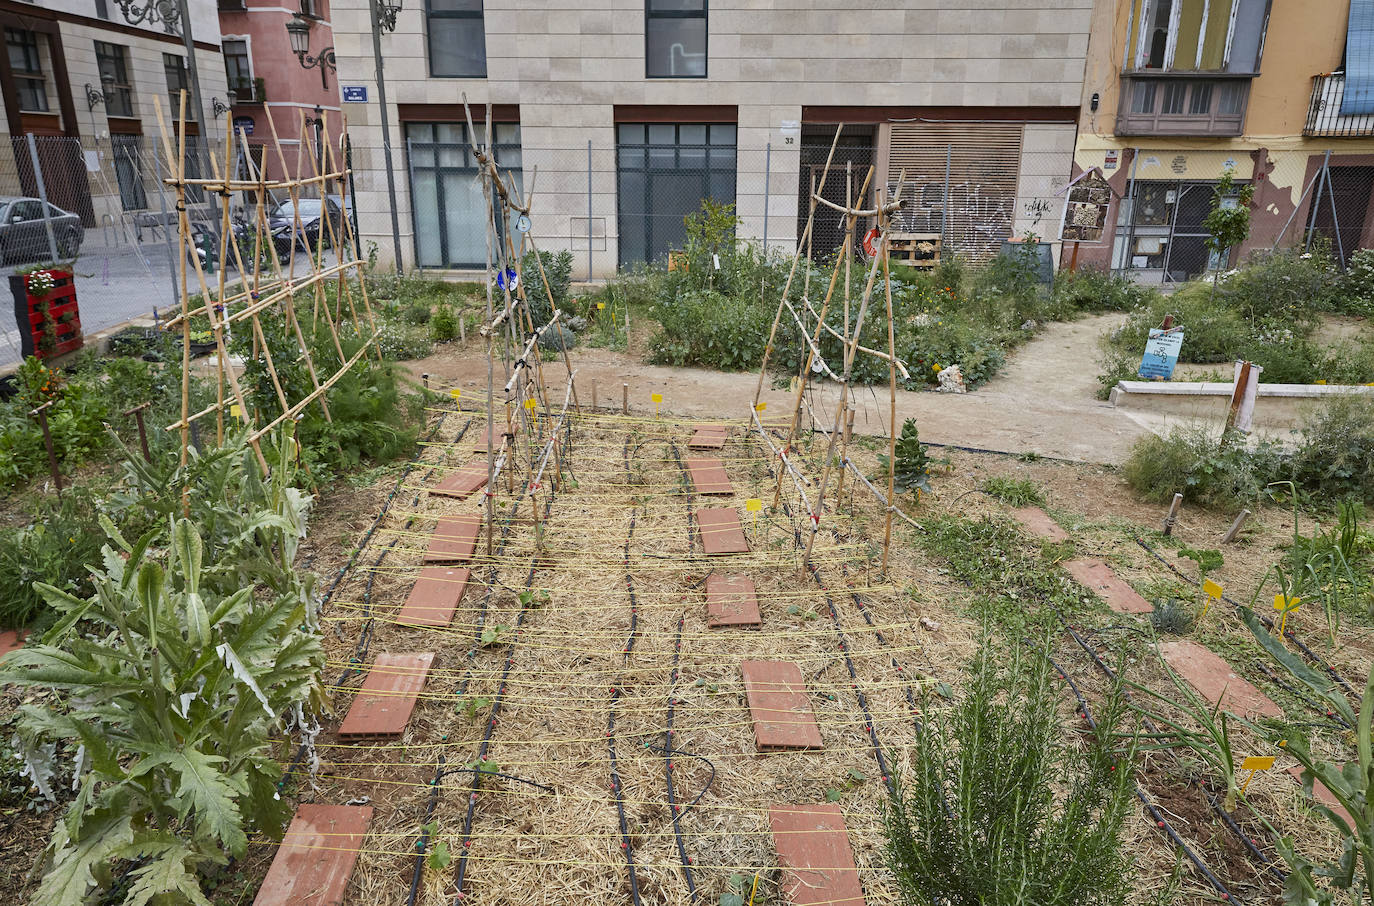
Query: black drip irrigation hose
[1266,620]
[691,498]
[667,748]
[1246,841]
[497,701]
[1297,693]
[1160,821]
[616,786]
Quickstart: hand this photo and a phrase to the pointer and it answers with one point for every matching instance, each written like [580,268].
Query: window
[112,61]
[174,67]
[675,39]
[1182,106]
[102,9]
[129,171]
[29,81]
[238,69]
[449,212]
[1196,35]
[663,171]
[311,9]
[457,39]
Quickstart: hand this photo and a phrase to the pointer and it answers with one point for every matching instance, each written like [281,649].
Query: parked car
[24,234]
[311,212]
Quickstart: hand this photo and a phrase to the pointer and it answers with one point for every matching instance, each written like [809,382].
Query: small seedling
[531,598]
[492,634]
[735,895]
[484,766]
[474,705]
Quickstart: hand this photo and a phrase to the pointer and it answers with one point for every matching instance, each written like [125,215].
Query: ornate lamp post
[298,30]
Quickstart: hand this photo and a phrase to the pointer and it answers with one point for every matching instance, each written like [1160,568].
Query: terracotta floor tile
[1323,795]
[11,640]
[708,476]
[708,437]
[731,601]
[720,531]
[434,596]
[315,860]
[387,697]
[782,713]
[1212,677]
[813,848]
[454,539]
[1093,574]
[1038,522]
[462,482]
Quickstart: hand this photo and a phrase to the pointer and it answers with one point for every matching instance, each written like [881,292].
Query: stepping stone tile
[498,430]
[1038,522]
[12,640]
[708,476]
[1098,576]
[462,482]
[315,860]
[708,437]
[454,539]
[782,713]
[731,601]
[813,848]
[434,596]
[1213,678]
[1323,795]
[384,703]
[720,531]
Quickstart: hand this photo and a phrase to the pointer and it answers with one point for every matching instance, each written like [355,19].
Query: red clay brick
[1098,576]
[1213,678]
[315,860]
[434,596]
[731,601]
[1038,522]
[708,476]
[454,539]
[813,848]
[708,437]
[384,703]
[782,713]
[12,640]
[721,532]
[1323,795]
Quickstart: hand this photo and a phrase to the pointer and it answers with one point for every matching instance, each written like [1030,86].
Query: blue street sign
[354,94]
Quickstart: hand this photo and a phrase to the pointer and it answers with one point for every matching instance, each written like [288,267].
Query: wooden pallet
[915,249]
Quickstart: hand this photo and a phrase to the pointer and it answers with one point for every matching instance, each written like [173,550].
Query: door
[1187,253]
[128,172]
[1340,208]
[848,168]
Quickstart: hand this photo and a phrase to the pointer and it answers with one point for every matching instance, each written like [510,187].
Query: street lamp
[316,122]
[219,108]
[298,30]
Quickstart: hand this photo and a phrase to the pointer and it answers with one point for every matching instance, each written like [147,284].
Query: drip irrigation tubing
[1266,620]
[616,787]
[1160,821]
[667,748]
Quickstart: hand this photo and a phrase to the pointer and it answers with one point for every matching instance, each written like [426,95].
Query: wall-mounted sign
[244,124]
[1085,208]
[354,94]
[1112,158]
[790,131]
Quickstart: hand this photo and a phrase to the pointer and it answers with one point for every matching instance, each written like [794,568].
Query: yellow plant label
[456,393]
[760,407]
[601,306]
[656,397]
[1257,763]
[530,404]
[753,504]
[1211,589]
[1285,603]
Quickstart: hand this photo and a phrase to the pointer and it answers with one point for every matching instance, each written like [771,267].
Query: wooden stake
[1234,531]
[624,399]
[593,395]
[41,413]
[1172,518]
[137,413]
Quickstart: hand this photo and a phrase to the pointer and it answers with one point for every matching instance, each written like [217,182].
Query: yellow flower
[936,368]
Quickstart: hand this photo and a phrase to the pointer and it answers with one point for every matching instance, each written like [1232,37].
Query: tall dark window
[675,39]
[112,61]
[238,69]
[128,166]
[174,67]
[663,171]
[446,198]
[27,66]
[457,38]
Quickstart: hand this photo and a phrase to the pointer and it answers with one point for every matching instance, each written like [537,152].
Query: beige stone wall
[568,63]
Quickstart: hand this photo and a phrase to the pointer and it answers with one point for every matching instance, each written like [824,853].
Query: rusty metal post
[137,413]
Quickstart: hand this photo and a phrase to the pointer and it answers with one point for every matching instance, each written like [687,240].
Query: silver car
[24,234]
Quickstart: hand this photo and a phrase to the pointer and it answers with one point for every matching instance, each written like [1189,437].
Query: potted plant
[46,310]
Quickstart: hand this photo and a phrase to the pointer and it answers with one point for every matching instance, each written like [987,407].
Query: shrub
[1000,810]
[443,328]
[1354,290]
[710,329]
[979,352]
[1282,288]
[1191,461]
[557,338]
[1336,456]
[1348,362]
[1089,289]
[1212,332]
[54,548]
[554,282]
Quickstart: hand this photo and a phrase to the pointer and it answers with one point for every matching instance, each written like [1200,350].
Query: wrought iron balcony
[1324,113]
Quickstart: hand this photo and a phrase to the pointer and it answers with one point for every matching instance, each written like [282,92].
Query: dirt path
[1043,402]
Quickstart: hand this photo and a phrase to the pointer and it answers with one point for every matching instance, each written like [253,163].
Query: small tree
[1228,225]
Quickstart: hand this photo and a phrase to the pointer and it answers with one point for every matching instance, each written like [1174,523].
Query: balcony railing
[1179,104]
[1324,113]
[249,91]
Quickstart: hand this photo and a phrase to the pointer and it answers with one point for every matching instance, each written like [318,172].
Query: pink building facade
[271,87]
